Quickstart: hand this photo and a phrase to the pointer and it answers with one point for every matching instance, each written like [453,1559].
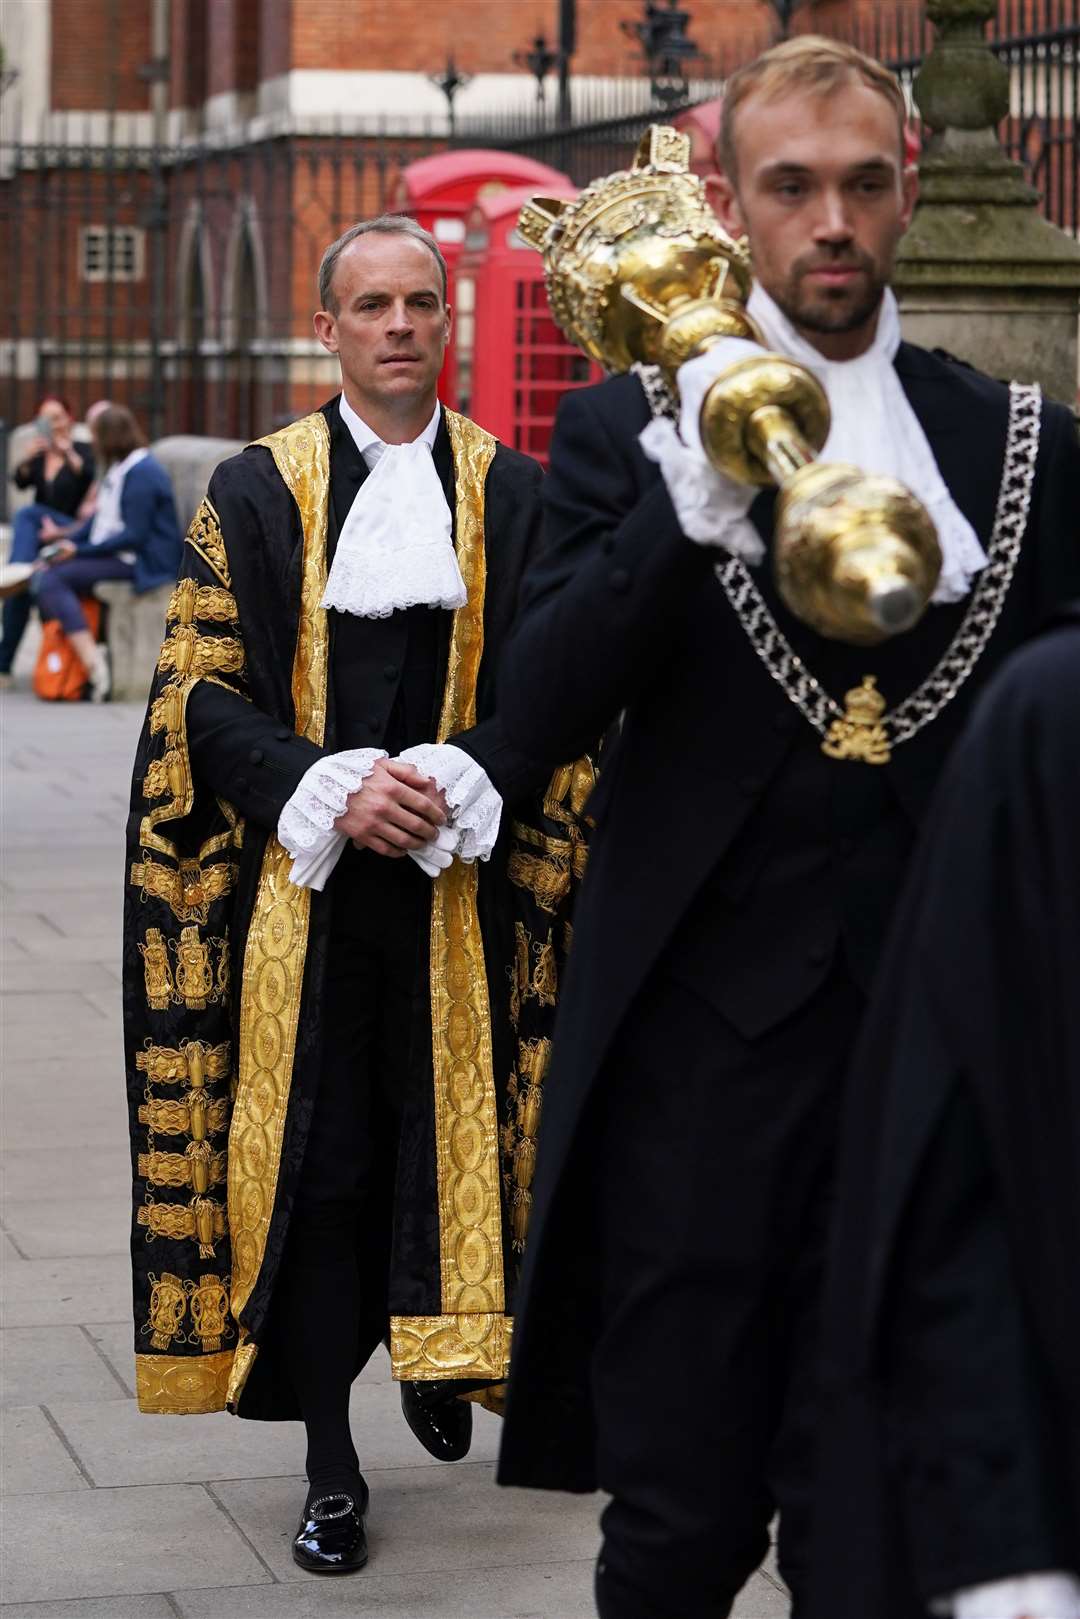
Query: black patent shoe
[441,1422]
[331,1538]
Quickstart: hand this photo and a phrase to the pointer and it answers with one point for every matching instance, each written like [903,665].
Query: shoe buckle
[324,1500]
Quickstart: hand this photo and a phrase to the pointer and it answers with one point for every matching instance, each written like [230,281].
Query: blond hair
[808,62]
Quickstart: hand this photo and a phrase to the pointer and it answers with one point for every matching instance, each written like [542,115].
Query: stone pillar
[981,272]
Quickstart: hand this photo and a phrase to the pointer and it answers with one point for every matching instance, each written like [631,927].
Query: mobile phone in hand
[43,428]
[54,549]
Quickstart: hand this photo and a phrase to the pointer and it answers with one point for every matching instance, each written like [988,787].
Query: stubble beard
[833,311]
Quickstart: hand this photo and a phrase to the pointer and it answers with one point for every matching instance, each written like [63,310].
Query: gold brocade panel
[472,1336]
[276,950]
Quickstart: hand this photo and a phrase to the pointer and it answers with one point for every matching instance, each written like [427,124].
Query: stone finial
[962,85]
[981,271]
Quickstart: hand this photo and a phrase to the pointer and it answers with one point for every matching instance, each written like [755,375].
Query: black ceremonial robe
[225,959]
[950,1432]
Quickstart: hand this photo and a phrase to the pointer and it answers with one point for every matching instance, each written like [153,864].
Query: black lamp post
[665,48]
[539,59]
[784,10]
[450,81]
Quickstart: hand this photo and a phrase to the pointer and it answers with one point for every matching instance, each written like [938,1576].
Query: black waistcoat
[820,860]
[386,674]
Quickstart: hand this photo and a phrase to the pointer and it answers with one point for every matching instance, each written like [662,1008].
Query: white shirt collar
[368,442]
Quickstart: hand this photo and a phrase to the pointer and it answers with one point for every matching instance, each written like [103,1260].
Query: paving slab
[26,978]
[33,1460]
[448,1516]
[30,1176]
[9,1254]
[147,1607]
[46,1228]
[114,1341]
[40,1365]
[119,1445]
[534,1591]
[120,1542]
[100,908]
[89,1040]
[27,926]
[58,950]
[48,1292]
[49,1008]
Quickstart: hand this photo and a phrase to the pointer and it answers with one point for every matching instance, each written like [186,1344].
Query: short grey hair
[383,225]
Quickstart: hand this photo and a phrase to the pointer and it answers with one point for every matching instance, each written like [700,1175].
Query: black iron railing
[178,277]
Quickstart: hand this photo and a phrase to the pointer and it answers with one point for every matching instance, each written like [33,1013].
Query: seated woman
[60,472]
[132,535]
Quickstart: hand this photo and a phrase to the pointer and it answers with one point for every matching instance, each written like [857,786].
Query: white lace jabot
[395,549]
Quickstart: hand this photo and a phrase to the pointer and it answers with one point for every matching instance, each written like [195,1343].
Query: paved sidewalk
[110,1515]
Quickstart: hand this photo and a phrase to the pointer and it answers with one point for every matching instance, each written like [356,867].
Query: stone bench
[136,624]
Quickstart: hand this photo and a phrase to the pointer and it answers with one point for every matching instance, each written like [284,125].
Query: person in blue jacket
[133,535]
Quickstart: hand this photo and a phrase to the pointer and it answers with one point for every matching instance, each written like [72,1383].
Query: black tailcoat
[716,808]
[950,1434]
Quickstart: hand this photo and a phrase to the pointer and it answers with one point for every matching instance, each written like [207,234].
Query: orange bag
[59,676]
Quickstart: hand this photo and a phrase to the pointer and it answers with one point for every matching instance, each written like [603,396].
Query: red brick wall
[97,47]
[233,28]
[417,35]
[187,84]
[275,38]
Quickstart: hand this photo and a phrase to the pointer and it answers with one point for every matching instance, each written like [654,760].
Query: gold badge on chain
[859,734]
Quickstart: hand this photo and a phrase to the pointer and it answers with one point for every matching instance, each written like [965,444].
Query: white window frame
[119,252]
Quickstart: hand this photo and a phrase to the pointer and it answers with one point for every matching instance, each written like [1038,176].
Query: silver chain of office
[984,609]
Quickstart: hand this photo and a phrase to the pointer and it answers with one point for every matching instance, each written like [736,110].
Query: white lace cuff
[1033,1596]
[710,507]
[306,824]
[474,804]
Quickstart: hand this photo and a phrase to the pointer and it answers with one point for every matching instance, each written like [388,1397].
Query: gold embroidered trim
[198,1118]
[192,1063]
[200,1172]
[277,940]
[205,537]
[168,1306]
[547,878]
[202,1218]
[243,1361]
[187,653]
[160,990]
[190,601]
[182,1385]
[428,1347]
[210,1311]
[191,889]
[527,1093]
[471,1329]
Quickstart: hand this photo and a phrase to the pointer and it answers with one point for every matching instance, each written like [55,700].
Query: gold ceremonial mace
[640,270]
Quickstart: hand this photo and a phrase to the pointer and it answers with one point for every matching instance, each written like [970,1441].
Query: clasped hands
[397,810]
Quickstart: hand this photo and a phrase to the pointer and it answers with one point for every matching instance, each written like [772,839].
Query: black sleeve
[607,596]
[965,1432]
[243,755]
[28,474]
[514,771]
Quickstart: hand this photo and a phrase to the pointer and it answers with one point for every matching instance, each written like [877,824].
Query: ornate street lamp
[784,10]
[450,81]
[539,60]
[665,48]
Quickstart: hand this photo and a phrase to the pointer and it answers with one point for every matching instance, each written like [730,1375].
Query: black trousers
[714,1168]
[332,1306]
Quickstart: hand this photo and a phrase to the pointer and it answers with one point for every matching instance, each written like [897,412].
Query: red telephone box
[513,362]
[439,191]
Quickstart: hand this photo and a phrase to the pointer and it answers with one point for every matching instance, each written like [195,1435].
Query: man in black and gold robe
[337,1149]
